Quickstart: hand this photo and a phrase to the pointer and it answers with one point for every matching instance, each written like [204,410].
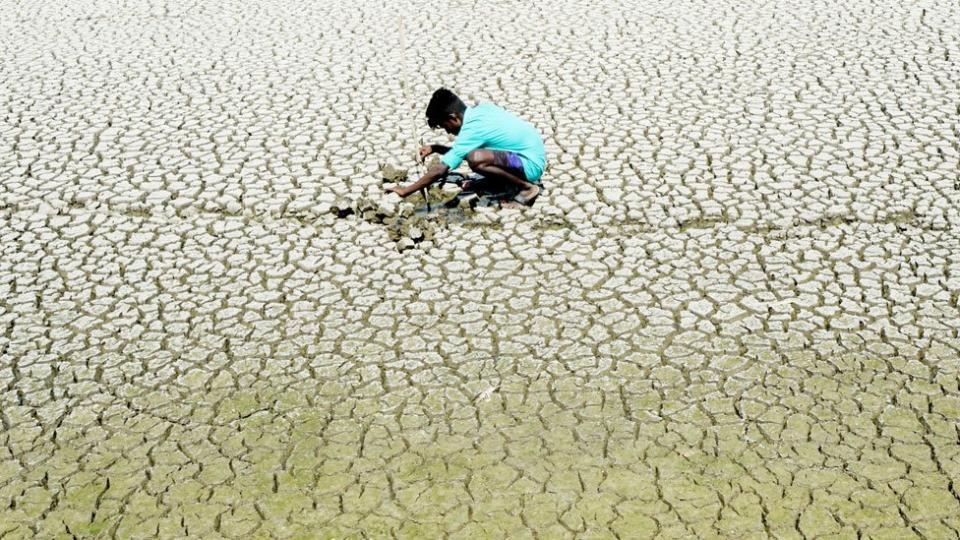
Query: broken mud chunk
[415,234]
[389,204]
[392,174]
[389,207]
[365,203]
[405,244]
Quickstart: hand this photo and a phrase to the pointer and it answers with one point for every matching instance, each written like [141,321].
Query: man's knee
[477,159]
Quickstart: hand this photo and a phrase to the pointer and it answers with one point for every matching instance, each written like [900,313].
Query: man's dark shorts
[509,161]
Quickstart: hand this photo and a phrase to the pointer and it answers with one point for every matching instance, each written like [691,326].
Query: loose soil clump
[389,173]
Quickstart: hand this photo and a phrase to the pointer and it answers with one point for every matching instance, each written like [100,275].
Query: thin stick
[403,85]
[406,101]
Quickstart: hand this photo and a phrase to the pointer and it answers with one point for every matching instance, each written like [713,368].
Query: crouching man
[505,150]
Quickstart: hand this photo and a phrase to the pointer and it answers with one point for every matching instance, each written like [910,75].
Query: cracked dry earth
[733,314]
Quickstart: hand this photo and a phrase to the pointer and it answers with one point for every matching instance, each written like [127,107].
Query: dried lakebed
[734,312]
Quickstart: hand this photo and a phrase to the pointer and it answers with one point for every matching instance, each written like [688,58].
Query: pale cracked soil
[733,314]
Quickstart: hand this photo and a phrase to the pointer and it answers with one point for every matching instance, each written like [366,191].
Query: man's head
[445,110]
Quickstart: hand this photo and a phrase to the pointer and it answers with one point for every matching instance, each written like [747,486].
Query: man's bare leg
[483,162]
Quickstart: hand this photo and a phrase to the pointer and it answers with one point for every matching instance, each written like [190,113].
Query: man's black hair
[443,104]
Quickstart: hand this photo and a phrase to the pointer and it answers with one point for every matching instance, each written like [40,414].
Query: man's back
[489,126]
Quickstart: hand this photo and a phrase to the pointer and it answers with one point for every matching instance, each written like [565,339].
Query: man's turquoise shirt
[490,127]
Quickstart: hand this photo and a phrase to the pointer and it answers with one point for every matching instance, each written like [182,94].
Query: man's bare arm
[432,175]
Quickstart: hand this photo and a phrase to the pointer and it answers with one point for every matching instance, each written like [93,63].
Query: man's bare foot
[528,196]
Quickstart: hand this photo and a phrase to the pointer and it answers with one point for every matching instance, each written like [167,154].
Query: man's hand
[398,190]
[425,151]
[424,181]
